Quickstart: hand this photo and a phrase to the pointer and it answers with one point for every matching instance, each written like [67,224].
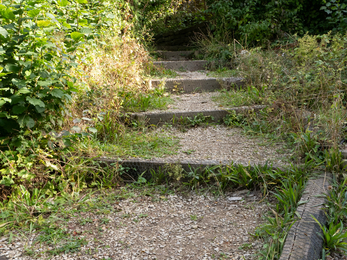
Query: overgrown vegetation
[70,70]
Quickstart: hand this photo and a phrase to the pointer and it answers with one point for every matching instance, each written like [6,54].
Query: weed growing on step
[160,72]
[142,143]
[140,102]
[187,122]
[244,97]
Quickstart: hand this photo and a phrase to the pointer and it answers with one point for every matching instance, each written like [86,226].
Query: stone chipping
[176,226]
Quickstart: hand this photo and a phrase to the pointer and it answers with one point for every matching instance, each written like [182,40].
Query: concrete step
[183,65]
[216,115]
[144,167]
[191,85]
[174,55]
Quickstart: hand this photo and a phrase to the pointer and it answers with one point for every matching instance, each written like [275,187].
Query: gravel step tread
[214,145]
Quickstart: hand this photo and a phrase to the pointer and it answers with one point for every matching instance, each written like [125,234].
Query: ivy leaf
[3,32]
[76,36]
[35,102]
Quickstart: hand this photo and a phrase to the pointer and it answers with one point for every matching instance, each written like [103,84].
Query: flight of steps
[192,80]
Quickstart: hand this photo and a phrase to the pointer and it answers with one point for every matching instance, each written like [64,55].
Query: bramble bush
[40,43]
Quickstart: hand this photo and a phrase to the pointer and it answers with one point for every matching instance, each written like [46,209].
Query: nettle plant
[39,41]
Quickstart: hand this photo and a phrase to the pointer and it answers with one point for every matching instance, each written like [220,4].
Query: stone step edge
[304,239]
[175,55]
[182,65]
[138,166]
[194,85]
[155,118]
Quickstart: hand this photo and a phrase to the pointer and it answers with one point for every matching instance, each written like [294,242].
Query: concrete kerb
[155,118]
[304,241]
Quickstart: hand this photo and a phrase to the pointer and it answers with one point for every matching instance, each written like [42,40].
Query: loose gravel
[175,226]
[222,144]
[191,102]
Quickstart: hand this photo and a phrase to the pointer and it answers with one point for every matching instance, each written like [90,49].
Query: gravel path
[163,227]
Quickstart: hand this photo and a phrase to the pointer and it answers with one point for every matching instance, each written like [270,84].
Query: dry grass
[110,69]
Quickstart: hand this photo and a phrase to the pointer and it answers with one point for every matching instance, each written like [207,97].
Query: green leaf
[33,13]
[76,36]
[3,101]
[12,68]
[6,12]
[44,23]
[7,181]
[19,83]
[82,1]
[93,130]
[35,102]
[40,109]
[44,83]
[63,3]
[18,109]
[26,121]
[23,91]
[57,93]
[3,32]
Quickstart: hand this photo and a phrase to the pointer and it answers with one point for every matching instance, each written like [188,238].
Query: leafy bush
[259,22]
[40,44]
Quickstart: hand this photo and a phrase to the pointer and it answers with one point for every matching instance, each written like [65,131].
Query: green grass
[244,97]
[133,143]
[223,73]
[160,72]
[139,102]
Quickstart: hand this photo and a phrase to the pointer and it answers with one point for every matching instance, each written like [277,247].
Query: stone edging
[304,241]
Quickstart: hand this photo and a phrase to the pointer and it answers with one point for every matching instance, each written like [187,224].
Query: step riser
[175,55]
[175,48]
[140,167]
[172,117]
[182,65]
[195,85]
